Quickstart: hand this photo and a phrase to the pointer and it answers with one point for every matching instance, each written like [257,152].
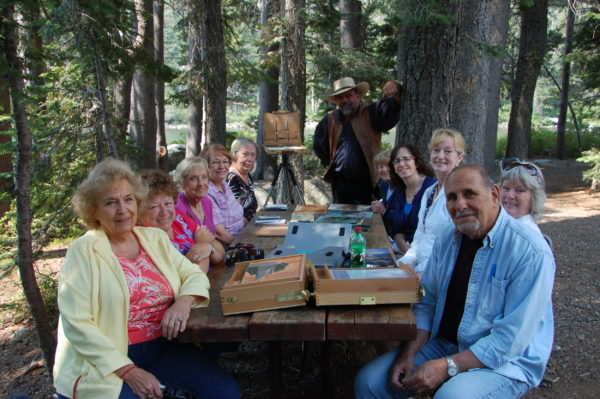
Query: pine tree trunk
[561,151]
[143,125]
[268,88]
[481,26]
[351,26]
[451,78]
[8,40]
[430,58]
[196,36]
[215,74]
[6,165]
[293,72]
[159,56]
[532,47]
[107,129]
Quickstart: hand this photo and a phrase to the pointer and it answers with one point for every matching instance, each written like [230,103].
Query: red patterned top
[150,295]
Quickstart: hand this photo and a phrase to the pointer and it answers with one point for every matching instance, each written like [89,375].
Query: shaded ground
[572,221]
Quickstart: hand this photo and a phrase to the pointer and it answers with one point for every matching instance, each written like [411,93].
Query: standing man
[485,325]
[347,139]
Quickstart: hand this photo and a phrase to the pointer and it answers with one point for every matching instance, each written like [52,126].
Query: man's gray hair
[487,179]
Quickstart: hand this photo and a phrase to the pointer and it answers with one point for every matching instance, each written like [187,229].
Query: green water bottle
[358,247]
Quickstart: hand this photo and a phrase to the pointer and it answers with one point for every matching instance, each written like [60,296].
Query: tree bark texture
[143,125]
[100,70]
[351,25]
[499,37]
[159,94]
[532,47]
[293,72]
[23,169]
[215,74]
[482,29]
[268,88]
[561,151]
[447,68]
[196,29]
[6,159]
[122,100]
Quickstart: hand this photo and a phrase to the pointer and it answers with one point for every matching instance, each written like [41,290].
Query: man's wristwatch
[452,369]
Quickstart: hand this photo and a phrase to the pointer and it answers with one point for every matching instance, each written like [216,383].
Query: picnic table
[324,325]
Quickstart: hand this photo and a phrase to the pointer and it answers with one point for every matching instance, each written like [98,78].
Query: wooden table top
[375,323]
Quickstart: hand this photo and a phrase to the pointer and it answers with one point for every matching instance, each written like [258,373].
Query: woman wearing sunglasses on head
[522,191]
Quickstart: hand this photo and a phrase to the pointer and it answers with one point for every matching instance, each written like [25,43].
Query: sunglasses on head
[511,163]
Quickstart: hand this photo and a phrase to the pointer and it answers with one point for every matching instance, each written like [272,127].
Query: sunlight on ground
[577,204]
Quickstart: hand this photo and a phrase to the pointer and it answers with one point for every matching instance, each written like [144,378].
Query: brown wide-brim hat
[345,84]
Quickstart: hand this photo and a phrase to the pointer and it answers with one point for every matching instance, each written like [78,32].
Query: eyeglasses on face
[398,161]
[215,163]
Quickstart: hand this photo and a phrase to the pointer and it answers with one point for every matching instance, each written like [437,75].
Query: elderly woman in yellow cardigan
[125,292]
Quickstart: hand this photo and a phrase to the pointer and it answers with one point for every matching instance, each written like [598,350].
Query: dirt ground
[572,221]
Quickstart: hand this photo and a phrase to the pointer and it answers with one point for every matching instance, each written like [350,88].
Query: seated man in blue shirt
[485,325]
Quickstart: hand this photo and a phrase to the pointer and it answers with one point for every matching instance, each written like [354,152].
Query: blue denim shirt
[507,321]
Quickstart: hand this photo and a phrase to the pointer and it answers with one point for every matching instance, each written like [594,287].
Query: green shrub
[591,157]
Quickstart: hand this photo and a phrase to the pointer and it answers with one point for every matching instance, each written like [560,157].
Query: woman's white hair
[238,144]
[534,182]
[186,165]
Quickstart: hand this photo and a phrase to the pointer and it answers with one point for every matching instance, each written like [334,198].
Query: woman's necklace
[199,211]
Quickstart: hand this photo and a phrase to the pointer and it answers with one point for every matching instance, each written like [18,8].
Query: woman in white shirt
[446,151]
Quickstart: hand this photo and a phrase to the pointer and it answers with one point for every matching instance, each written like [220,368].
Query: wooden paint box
[265,284]
[364,286]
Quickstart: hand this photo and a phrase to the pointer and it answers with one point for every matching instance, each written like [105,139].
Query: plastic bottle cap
[358,228]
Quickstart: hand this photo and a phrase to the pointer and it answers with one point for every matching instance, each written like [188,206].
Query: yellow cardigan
[93,299]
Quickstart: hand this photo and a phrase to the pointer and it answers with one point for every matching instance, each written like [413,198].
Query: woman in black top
[243,153]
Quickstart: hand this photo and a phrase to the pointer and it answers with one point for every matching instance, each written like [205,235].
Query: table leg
[328,368]
[275,368]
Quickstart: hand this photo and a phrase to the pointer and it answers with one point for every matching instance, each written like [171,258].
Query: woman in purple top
[158,210]
[192,175]
[226,209]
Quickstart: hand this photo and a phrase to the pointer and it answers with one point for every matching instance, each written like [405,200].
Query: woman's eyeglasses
[398,161]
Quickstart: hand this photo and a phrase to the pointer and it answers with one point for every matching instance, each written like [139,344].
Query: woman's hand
[202,233]
[176,317]
[378,207]
[223,235]
[142,383]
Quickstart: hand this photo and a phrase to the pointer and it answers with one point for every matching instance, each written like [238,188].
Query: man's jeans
[372,379]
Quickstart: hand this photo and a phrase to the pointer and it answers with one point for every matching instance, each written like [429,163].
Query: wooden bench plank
[378,323]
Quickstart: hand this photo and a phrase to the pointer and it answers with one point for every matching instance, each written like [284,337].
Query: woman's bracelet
[122,376]
[213,249]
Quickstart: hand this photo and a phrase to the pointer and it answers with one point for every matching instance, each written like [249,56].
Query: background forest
[84,79]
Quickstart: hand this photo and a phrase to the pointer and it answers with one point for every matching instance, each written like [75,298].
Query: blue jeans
[372,380]
[181,366]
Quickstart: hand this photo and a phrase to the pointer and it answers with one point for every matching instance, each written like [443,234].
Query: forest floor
[572,221]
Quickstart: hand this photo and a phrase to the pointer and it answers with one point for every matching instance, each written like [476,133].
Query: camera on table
[243,253]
